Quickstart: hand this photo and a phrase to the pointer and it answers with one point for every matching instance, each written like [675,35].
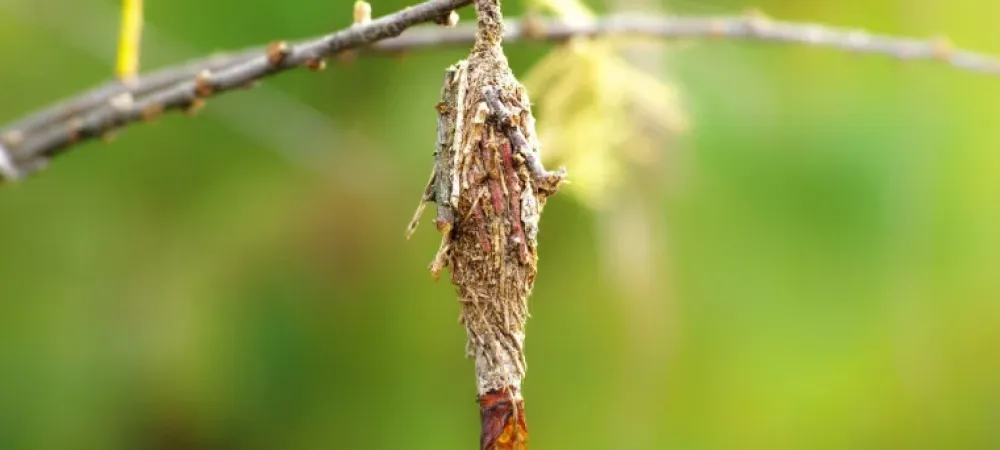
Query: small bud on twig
[448,20]
[941,47]
[532,26]
[315,64]
[756,20]
[362,12]
[717,29]
[203,84]
[276,52]
[122,102]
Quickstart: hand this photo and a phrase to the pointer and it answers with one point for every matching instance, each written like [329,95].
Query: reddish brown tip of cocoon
[504,426]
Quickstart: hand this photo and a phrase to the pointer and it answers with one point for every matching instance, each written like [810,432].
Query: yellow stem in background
[129,40]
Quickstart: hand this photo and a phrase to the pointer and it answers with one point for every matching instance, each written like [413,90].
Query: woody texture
[490,187]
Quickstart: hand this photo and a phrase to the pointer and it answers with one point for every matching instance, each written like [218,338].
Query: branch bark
[27,149]
[27,144]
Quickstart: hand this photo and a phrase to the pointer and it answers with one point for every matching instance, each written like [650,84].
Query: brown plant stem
[29,142]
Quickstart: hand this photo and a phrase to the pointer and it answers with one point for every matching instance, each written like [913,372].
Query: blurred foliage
[599,112]
[240,280]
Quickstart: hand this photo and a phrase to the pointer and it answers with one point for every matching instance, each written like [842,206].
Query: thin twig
[95,97]
[31,140]
[303,126]
[752,27]
[28,152]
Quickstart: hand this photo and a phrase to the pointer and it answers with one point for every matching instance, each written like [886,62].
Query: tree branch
[25,150]
[28,143]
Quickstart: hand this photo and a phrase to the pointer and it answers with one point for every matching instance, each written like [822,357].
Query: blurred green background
[814,265]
